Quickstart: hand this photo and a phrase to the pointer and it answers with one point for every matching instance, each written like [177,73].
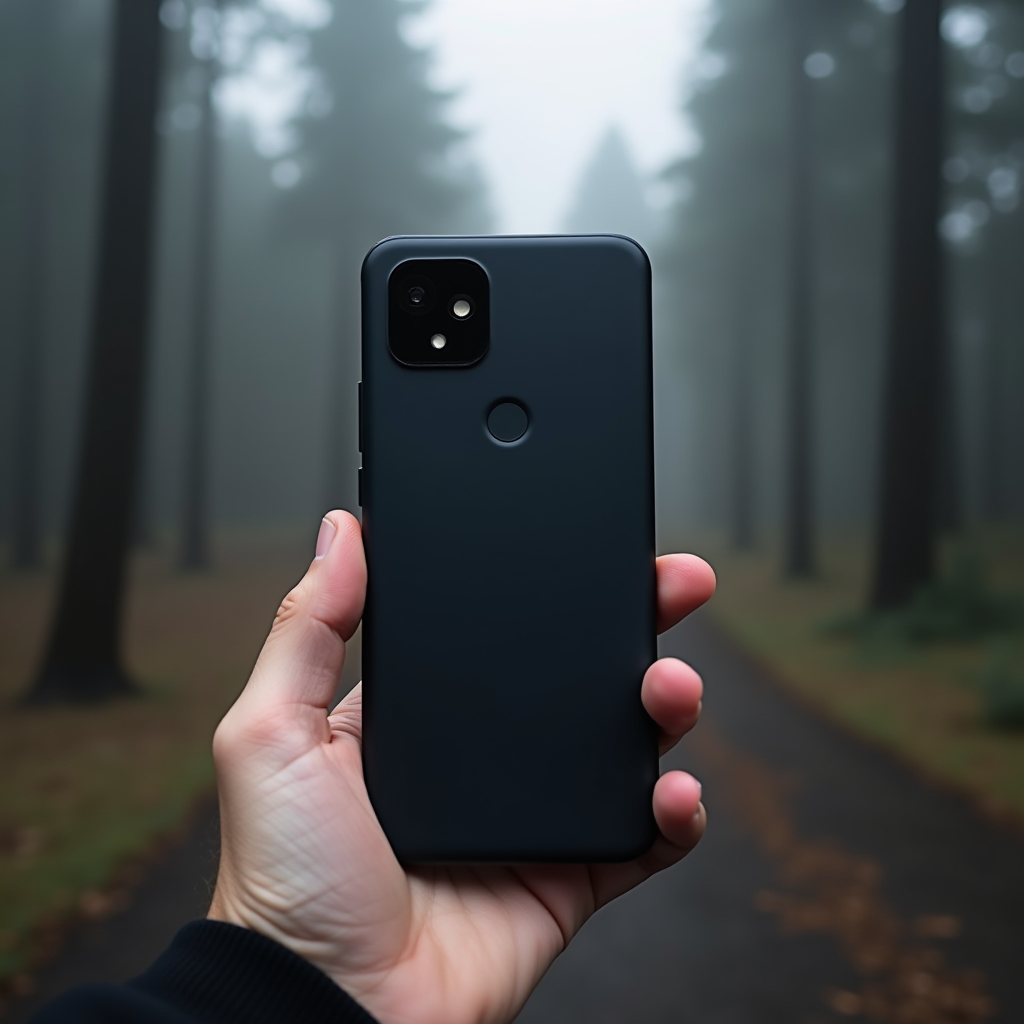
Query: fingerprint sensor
[507,422]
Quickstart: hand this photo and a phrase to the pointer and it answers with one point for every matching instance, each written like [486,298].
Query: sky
[536,82]
[540,81]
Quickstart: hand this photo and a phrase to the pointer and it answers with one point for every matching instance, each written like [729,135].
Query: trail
[833,885]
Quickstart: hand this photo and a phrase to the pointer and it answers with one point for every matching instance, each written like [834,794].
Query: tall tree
[26,541]
[905,547]
[798,533]
[610,196]
[195,548]
[83,657]
[741,507]
[379,158]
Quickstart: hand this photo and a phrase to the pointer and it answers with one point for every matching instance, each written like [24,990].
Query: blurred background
[831,198]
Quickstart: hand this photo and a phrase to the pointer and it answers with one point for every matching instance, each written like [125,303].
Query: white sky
[541,80]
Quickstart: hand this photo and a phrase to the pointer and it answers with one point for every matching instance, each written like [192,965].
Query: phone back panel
[510,612]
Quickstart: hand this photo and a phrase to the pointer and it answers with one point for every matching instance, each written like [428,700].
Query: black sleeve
[213,973]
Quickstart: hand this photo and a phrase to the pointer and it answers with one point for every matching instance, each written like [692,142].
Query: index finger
[685,582]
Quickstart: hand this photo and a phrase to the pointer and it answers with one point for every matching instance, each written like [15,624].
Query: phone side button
[359,408]
[359,487]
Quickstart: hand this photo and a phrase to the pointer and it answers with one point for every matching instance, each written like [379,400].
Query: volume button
[359,487]
[359,406]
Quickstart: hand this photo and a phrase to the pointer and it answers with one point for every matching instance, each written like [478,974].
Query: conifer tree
[379,158]
[610,197]
[83,657]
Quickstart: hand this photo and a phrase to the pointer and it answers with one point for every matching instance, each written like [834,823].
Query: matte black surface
[510,612]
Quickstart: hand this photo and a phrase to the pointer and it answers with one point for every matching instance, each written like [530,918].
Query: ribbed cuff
[218,973]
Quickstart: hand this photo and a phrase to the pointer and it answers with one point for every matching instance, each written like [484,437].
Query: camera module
[438,312]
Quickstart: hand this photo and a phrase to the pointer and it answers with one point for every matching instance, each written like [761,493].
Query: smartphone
[507,492]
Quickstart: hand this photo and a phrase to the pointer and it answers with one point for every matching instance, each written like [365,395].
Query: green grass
[940,683]
[89,791]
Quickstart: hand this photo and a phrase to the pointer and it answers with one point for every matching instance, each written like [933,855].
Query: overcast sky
[541,80]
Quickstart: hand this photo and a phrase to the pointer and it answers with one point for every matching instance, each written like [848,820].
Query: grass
[941,684]
[87,790]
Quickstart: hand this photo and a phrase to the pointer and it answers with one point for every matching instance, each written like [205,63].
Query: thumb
[301,661]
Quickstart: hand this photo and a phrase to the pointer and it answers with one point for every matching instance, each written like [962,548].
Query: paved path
[833,885]
[831,882]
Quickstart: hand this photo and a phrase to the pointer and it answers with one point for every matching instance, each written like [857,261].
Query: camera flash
[438,341]
[461,308]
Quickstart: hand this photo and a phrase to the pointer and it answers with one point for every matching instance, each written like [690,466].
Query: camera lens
[416,294]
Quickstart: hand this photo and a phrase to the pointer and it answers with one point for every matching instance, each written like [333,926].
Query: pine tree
[379,158]
[905,550]
[26,541]
[610,197]
[195,542]
[83,657]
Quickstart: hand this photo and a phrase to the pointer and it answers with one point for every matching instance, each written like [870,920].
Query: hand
[304,861]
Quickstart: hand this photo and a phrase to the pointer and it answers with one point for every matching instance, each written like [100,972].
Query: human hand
[305,862]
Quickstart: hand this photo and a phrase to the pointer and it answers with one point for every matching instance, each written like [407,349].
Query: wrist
[226,908]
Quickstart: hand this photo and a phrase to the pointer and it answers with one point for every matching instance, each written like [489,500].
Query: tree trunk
[1001,280]
[798,538]
[742,525]
[83,657]
[905,547]
[195,551]
[26,546]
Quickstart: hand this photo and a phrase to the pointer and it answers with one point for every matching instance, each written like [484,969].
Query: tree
[610,196]
[83,658]
[798,532]
[905,547]
[26,542]
[378,158]
[195,553]
[741,505]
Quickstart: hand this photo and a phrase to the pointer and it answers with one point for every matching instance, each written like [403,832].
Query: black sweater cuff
[216,973]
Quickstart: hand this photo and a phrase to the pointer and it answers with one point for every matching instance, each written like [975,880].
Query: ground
[923,701]
[88,791]
[840,878]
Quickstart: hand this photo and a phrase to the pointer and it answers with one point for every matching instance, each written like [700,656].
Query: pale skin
[304,861]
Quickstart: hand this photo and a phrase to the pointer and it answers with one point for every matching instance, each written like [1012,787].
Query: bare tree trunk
[905,548]
[798,537]
[742,526]
[26,547]
[949,511]
[1001,274]
[195,551]
[83,657]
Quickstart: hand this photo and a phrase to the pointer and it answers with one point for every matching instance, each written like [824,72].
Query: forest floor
[928,702]
[88,792]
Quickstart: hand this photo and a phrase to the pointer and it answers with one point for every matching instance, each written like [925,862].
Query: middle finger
[671,693]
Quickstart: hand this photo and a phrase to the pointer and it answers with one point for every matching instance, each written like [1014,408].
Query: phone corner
[378,252]
[633,250]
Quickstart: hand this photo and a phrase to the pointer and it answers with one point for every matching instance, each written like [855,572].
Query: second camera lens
[417,295]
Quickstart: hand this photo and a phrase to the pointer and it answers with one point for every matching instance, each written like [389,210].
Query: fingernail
[324,538]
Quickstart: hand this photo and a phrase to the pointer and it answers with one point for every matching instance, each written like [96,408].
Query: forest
[187,190]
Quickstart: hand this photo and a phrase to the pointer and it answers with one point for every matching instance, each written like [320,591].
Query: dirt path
[833,885]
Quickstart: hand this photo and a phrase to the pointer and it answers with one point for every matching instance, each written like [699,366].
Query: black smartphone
[507,488]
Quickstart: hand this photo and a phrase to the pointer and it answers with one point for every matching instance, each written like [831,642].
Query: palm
[305,861]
